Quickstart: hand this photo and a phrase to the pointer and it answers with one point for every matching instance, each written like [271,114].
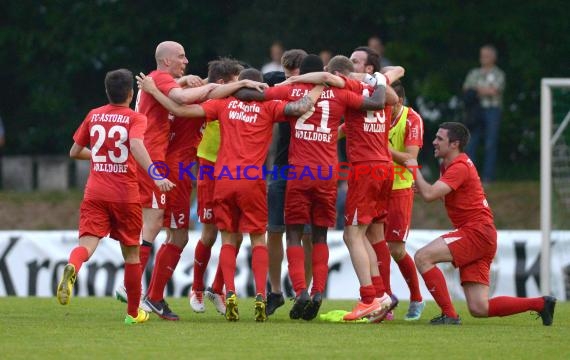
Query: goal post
[547,142]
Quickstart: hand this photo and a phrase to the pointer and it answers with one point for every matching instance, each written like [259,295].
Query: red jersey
[107,130]
[314,135]
[158,128]
[245,129]
[185,135]
[414,129]
[366,131]
[466,204]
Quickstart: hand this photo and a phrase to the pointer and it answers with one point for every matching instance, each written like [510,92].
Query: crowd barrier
[31,263]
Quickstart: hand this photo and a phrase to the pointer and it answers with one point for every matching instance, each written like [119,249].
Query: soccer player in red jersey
[367,61]
[406,139]
[240,193]
[312,199]
[369,186]
[114,133]
[473,245]
[171,63]
[223,71]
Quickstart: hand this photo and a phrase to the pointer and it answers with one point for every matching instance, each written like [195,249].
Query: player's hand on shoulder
[259,86]
[190,81]
[288,81]
[164,185]
[145,83]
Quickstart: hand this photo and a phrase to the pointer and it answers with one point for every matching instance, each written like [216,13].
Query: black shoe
[301,302]
[312,309]
[161,309]
[445,320]
[274,301]
[547,313]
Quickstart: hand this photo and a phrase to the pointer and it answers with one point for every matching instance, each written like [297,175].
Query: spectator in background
[376,44]
[325,56]
[489,82]
[275,52]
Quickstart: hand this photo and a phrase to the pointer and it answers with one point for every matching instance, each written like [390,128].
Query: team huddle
[226,122]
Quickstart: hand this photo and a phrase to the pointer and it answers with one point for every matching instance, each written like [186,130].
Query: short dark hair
[457,132]
[372,58]
[292,59]
[251,74]
[118,84]
[340,63]
[223,69]
[399,89]
[311,63]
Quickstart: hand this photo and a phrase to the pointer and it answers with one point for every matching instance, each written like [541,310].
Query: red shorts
[399,215]
[241,205]
[205,192]
[309,201]
[150,194]
[473,249]
[368,195]
[121,221]
[177,211]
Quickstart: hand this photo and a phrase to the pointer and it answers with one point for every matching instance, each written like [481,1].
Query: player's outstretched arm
[301,106]
[191,94]
[426,190]
[143,158]
[226,90]
[321,77]
[146,83]
[79,152]
[393,73]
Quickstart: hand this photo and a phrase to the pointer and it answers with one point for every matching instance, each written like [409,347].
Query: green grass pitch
[92,328]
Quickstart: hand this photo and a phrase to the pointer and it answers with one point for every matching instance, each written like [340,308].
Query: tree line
[55,55]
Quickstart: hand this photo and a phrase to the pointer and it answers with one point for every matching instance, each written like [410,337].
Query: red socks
[201,258]
[378,285]
[408,270]
[384,257]
[367,294]
[506,305]
[296,259]
[132,280]
[435,282]
[260,266]
[228,265]
[144,254]
[166,261]
[320,267]
[218,284]
[78,256]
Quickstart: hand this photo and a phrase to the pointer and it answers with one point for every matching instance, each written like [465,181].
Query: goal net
[554,168]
